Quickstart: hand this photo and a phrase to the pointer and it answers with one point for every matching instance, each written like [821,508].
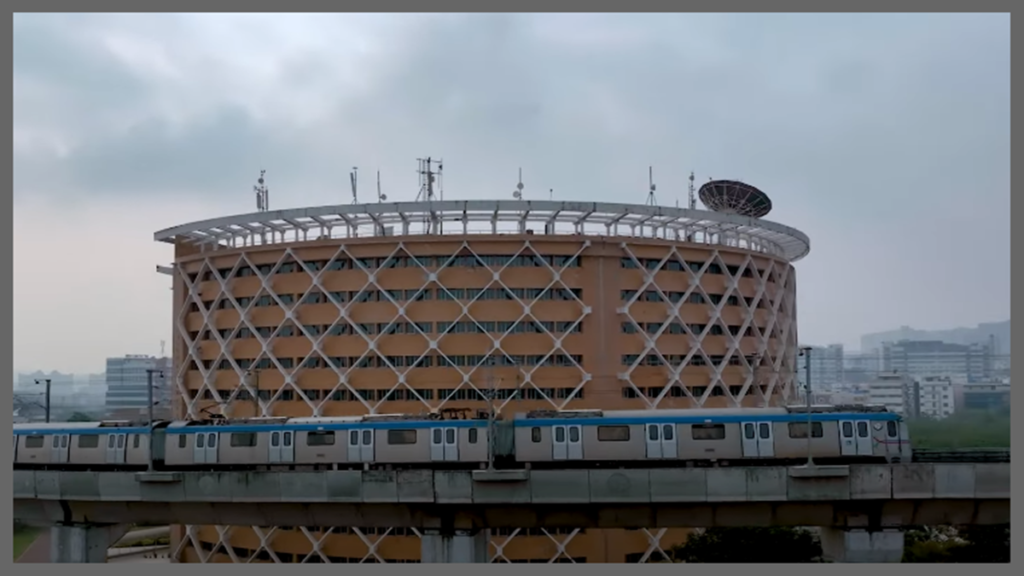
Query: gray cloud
[881,136]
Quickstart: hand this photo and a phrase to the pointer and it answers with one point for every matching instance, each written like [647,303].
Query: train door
[669,448]
[366,446]
[847,439]
[765,440]
[205,449]
[115,448]
[574,446]
[864,444]
[354,440]
[451,445]
[437,444]
[653,435]
[892,440]
[559,443]
[287,452]
[274,451]
[750,443]
[59,448]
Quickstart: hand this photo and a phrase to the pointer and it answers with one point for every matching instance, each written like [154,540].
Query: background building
[128,386]
[969,362]
[419,306]
[826,367]
[935,397]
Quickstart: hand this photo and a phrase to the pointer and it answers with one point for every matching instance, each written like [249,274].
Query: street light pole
[806,353]
[47,382]
[149,394]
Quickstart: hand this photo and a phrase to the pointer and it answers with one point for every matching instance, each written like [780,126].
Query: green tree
[80,417]
[962,430]
[749,545]
[971,545]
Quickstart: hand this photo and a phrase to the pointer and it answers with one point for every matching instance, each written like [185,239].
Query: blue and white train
[565,439]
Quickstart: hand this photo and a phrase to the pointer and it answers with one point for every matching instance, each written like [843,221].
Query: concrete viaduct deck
[465,502]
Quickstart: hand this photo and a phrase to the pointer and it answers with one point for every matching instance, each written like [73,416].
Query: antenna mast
[353,178]
[262,193]
[428,178]
[518,192]
[380,196]
[651,200]
[692,198]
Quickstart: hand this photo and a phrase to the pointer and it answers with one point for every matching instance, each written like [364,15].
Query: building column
[862,546]
[454,546]
[83,543]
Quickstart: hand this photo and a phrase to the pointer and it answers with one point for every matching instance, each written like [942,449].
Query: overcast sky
[886,138]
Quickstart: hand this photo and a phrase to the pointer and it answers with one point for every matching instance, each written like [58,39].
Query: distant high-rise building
[128,382]
[826,367]
[967,362]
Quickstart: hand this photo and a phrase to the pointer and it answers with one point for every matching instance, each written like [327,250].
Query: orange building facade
[379,309]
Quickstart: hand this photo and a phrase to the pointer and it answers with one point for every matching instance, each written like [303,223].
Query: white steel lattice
[372,341]
[781,320]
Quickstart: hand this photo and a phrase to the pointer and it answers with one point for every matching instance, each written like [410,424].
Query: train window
[243,439]
[200,440]
[748,431]
[473,433]
[275,439]
[862,429]
[449,436]
[437,436]
[559,434]
[574,434]
[110,441]
[891,429]
[847,430]
[136,440]
[799,430]
[34,441]
[120,441]
[320,439]
[89,441]
[353,438]
[182,440]
[367,437]
[668,432]
[212,442]
[652,432]
[409,436]
[708,431]
[765,430]
[613,433]
[55,443]
[535,434]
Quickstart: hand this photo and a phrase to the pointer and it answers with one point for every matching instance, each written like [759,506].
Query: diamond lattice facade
[379,309]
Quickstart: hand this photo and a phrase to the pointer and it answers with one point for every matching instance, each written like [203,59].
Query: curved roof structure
[466,217]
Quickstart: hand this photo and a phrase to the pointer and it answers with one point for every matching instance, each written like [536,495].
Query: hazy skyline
[885,138]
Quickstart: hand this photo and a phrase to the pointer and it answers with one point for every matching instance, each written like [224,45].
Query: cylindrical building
[416,307]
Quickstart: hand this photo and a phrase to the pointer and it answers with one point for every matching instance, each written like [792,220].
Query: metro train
[540,439]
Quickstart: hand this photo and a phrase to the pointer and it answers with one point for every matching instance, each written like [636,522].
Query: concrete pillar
[454,546]
[862,546]
[83,543]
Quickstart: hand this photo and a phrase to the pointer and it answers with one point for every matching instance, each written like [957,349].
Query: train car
[710,436]
[81,445]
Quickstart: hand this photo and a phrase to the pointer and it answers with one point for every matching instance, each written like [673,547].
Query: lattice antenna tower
[429,181]
[353,178]
[262,193]
[692,194]
[651,199]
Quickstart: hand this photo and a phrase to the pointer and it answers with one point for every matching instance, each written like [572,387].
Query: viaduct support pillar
[454,546]
[83,543]
[862,546]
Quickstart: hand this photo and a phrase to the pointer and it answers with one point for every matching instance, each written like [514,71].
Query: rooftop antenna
[551,193]
[518,192]
[380,197]
[353,178]
[428,178]
[163,344]
[262,193]
[693,197]
[651,200]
